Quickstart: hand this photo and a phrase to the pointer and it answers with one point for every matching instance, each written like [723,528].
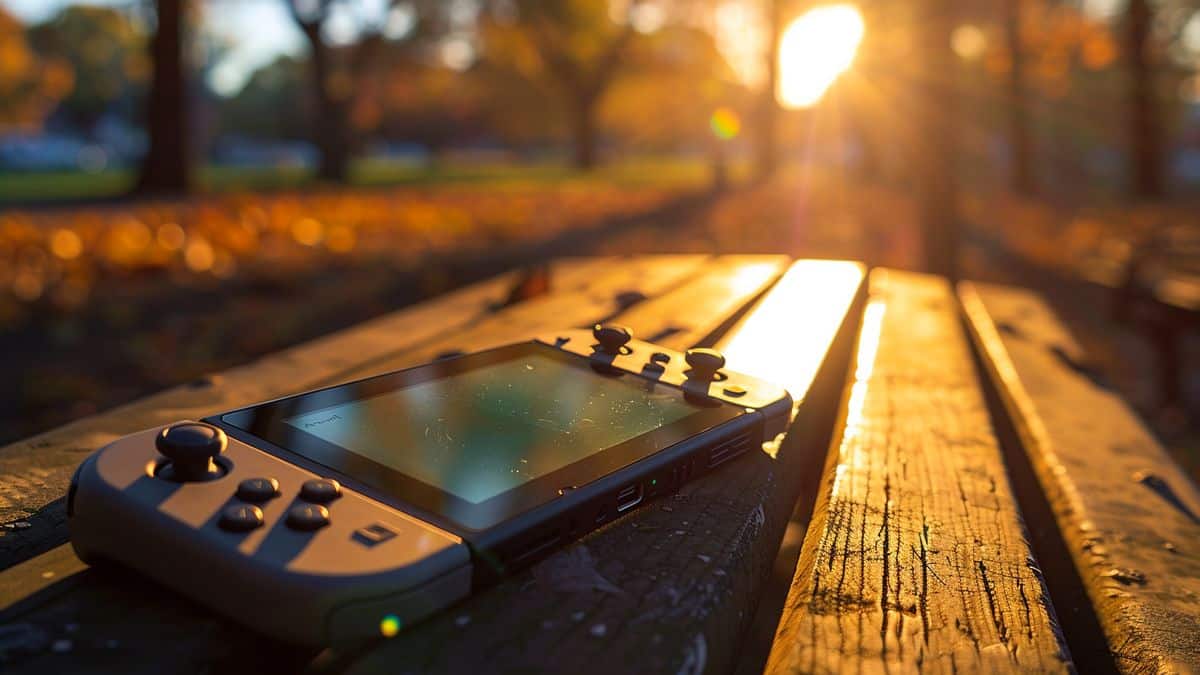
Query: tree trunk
[583,131]
[330,136]
[1020,136]
[1145,133]
[767,138]
[938,118]
[165,168]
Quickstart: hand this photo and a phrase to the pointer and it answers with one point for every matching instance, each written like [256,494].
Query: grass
[56,185]
[25,188]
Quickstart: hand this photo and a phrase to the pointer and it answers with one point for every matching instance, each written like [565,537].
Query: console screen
[482,432]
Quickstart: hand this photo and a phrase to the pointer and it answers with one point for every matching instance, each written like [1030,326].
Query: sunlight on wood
[785,340]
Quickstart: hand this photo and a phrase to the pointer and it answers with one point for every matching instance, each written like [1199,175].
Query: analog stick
[705,363]
[611,338]
[191,448]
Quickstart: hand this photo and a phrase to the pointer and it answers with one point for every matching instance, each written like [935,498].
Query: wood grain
[916,558]
[1126,512]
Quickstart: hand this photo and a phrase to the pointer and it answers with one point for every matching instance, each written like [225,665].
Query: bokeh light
[170,236]
[725,123]
[341,239]
[308,231]
[968,41]
[198,255]
[814,50]
[66,244]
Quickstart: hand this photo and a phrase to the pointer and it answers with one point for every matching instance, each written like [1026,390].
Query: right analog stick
[611,338]
[705,363]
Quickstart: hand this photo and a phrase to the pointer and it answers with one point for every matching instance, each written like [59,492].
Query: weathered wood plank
[191,633]
[35,472]
[916,557]
[671,587]
[1127,514]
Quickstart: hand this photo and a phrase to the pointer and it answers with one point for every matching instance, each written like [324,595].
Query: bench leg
[1165,338]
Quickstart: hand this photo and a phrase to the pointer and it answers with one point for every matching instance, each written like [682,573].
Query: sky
[258,32]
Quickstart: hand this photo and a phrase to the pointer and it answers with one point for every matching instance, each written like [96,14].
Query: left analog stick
[191,448]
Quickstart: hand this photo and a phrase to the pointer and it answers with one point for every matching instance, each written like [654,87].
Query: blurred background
[188,184]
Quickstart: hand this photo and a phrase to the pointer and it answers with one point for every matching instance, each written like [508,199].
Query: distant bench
[1155,286]
[956,493]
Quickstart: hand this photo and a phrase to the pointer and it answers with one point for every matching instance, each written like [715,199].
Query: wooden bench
[1155,286]
[921,495]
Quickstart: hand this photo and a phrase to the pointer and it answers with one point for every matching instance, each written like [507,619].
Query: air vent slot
[728,450]
[539,546]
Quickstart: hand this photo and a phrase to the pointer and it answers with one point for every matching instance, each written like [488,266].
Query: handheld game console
[350,512]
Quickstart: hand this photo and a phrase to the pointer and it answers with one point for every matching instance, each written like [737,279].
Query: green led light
[390,625]
[654,481]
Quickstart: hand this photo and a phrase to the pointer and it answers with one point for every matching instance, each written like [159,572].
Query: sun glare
[814,50]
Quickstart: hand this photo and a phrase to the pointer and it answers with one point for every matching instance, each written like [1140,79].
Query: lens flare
[814,50]
[725,124]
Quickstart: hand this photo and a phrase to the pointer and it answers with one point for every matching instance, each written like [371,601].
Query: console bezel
[262,426]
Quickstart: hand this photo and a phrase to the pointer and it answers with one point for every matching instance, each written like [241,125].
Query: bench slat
[916,557]
[1126,512]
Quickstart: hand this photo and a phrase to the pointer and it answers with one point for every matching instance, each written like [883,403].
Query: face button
[373,534]
[320,490]
[612,338]
[191,448]
[258,490]
[240,518]
[307,517]
[735,390]
[705,363]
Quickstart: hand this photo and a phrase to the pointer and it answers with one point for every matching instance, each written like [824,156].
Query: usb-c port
[629,497]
